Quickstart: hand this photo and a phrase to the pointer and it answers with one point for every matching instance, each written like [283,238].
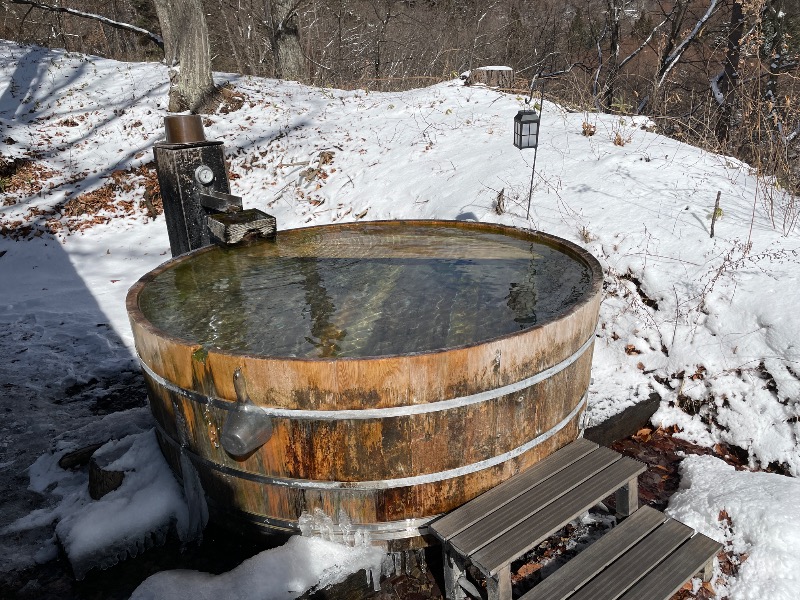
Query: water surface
[373,291]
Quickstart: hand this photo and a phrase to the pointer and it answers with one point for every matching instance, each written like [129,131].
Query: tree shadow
[62,367]
[19,100]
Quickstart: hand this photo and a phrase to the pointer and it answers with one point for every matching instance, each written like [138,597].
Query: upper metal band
[376,413]
[383,483]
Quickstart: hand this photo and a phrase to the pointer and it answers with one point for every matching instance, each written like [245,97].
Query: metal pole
[535,150]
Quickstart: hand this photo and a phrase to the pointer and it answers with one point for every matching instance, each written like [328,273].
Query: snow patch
[282,573]
[764,524]
[124,522]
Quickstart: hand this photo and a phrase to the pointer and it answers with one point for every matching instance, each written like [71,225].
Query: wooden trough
[371,446]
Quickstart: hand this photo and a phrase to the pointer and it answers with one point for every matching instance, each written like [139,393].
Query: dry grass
[20,177]
[92,208]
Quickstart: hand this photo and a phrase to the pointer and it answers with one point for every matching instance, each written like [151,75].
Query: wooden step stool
[648,553]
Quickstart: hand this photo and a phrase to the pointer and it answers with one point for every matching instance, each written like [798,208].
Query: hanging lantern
[526,129]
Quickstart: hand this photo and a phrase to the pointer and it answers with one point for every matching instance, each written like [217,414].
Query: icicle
[387,566]
[376,580]
[376,574]
[407,561]
[358,538]
[387,569]
[306,524]
[346,526]
[423,566]
[319,515]
[326,531]
[398,562]
[323,524]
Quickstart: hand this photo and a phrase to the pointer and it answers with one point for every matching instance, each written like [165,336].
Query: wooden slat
[598,556]
[545,522]
[458,520]
[537,498]
[666,579]
[636,563]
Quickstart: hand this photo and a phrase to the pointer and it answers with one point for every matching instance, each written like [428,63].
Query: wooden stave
[302,449]
[253,505]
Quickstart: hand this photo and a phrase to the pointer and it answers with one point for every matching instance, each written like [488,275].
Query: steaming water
[373,291]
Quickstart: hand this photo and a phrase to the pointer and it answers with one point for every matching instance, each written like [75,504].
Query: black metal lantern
[526,129]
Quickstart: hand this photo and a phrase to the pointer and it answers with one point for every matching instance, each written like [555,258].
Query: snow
[282,573]
[92,532]
[706,323]
[762,522]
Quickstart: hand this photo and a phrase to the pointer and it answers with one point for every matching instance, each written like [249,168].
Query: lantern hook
[533,84]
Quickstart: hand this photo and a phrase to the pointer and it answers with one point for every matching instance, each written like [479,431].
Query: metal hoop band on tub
[377,413]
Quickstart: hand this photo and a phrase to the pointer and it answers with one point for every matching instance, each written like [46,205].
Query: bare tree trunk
[233,42]
[774,57]
[285,39]
[183,26]
[726,83]
[614,8]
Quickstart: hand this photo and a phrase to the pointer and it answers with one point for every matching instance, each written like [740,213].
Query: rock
[78,458]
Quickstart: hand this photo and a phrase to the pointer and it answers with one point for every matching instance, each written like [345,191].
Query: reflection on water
[377,291]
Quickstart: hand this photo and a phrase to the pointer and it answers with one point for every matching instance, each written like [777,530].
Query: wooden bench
[504,523]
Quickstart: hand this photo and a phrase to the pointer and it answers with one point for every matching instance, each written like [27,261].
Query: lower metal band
[383,531]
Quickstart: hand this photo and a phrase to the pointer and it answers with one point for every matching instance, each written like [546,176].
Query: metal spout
[247,428]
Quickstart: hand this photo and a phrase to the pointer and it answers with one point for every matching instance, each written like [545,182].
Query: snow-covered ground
[708,324]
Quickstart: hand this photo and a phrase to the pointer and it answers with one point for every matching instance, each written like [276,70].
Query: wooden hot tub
[394,370]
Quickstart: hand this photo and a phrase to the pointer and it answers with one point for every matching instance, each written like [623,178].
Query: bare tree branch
[646,42]
[153,37]
[596,82]
[553,74]
[673,59]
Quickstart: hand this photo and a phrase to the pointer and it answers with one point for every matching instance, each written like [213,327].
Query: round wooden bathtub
[376,399]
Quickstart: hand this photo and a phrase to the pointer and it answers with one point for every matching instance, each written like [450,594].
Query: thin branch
[646,42]
[673,59]
[153,37]
[585,68]
[596,82]
[311,60]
